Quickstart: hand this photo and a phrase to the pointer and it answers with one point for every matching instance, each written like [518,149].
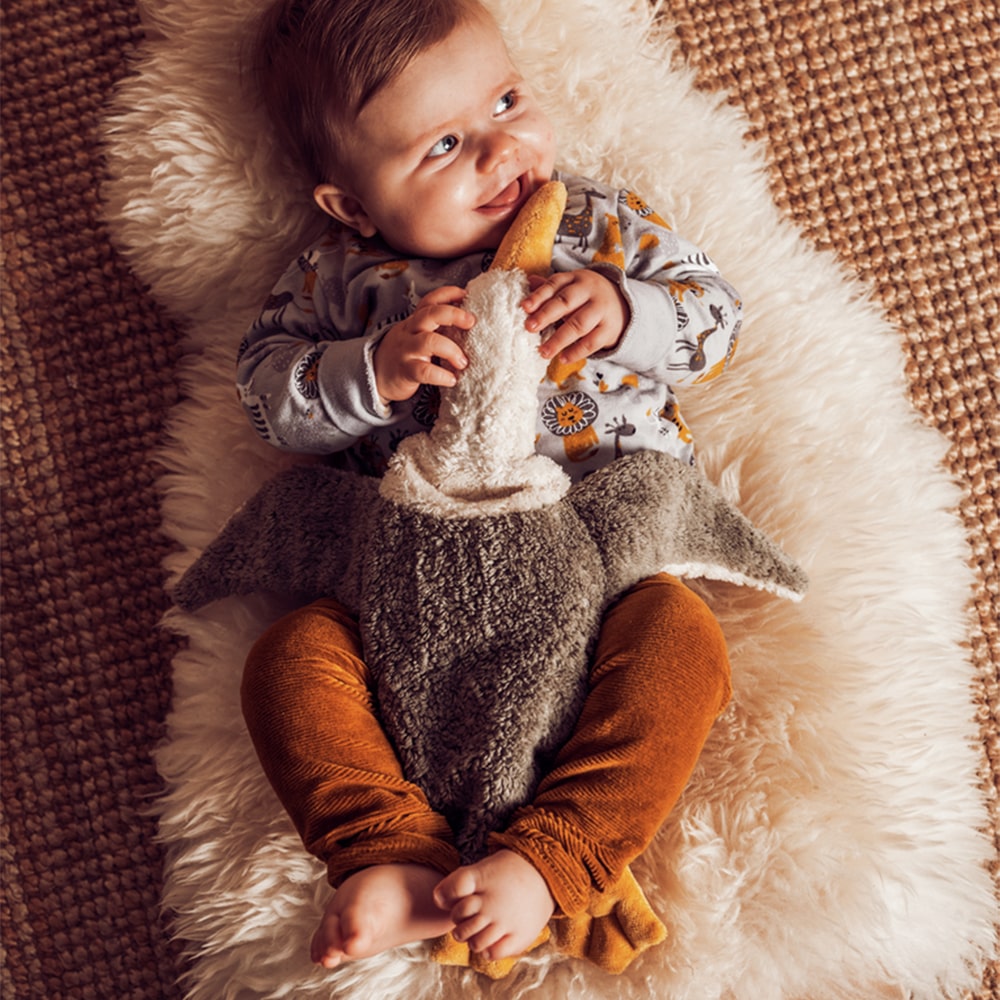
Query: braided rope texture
[881,124]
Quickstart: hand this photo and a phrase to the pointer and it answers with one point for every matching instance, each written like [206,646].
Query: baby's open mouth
[509,196]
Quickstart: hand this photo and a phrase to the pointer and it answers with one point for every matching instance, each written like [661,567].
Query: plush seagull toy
[479,573]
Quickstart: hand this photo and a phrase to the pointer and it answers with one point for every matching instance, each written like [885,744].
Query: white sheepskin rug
[830,844]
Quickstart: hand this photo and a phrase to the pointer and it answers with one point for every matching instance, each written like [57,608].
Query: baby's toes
[466,908]
[490,939]
[465,930]
[507,946]
[458,885]
[324,948]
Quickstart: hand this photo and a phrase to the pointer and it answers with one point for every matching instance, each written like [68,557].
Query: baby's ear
[344,208]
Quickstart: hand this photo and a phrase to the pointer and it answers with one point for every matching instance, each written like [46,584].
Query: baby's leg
[659,680]
[310,712]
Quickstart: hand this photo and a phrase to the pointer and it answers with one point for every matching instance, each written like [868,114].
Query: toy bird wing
[649,512]
[296,536]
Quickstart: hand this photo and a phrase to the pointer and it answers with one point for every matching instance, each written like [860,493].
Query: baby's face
[444,156]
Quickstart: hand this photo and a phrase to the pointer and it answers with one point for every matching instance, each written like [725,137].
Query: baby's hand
[405,357]
[588,309]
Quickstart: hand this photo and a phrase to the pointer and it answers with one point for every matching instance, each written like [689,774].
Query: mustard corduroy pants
[659,679]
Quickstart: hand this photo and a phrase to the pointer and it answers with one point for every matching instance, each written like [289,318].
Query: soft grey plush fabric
[478,610]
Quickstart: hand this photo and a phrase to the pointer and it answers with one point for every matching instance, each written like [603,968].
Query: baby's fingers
[429,318]
[445,316]
[443,295]
[420,371]
[553,300]
[578,337]
[441,346]
[429,327]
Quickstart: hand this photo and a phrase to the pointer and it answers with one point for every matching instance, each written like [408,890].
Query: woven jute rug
[882,145]
[87,380]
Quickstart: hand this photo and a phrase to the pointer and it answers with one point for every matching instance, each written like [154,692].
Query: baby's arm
[307,373]
[304,372]
[686,320]
[681,318]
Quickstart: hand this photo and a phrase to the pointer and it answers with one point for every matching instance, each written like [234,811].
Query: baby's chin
[444,249]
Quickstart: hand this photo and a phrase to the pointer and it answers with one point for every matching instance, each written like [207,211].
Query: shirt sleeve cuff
[347,384]
[373,401]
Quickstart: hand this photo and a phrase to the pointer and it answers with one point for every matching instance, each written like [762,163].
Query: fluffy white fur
[830,844]
[480,458]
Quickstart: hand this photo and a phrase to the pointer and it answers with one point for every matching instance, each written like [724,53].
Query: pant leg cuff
[567,877]
[397,849]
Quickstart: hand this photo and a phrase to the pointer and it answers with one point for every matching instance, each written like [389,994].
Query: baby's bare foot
[499,905]
[376,909]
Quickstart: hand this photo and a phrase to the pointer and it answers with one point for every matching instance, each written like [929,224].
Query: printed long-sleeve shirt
[306,378]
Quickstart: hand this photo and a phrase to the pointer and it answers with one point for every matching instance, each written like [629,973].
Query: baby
[424,142]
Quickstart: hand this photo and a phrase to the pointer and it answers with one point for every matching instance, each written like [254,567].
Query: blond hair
[317,63]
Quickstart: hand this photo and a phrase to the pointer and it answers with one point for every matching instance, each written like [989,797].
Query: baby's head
[410,115]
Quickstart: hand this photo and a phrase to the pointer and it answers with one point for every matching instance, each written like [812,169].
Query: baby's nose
[499,147]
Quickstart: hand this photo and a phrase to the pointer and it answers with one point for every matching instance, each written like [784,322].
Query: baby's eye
[443,146]
[505,103]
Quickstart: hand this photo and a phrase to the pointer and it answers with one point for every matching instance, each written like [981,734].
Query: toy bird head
[479,458]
